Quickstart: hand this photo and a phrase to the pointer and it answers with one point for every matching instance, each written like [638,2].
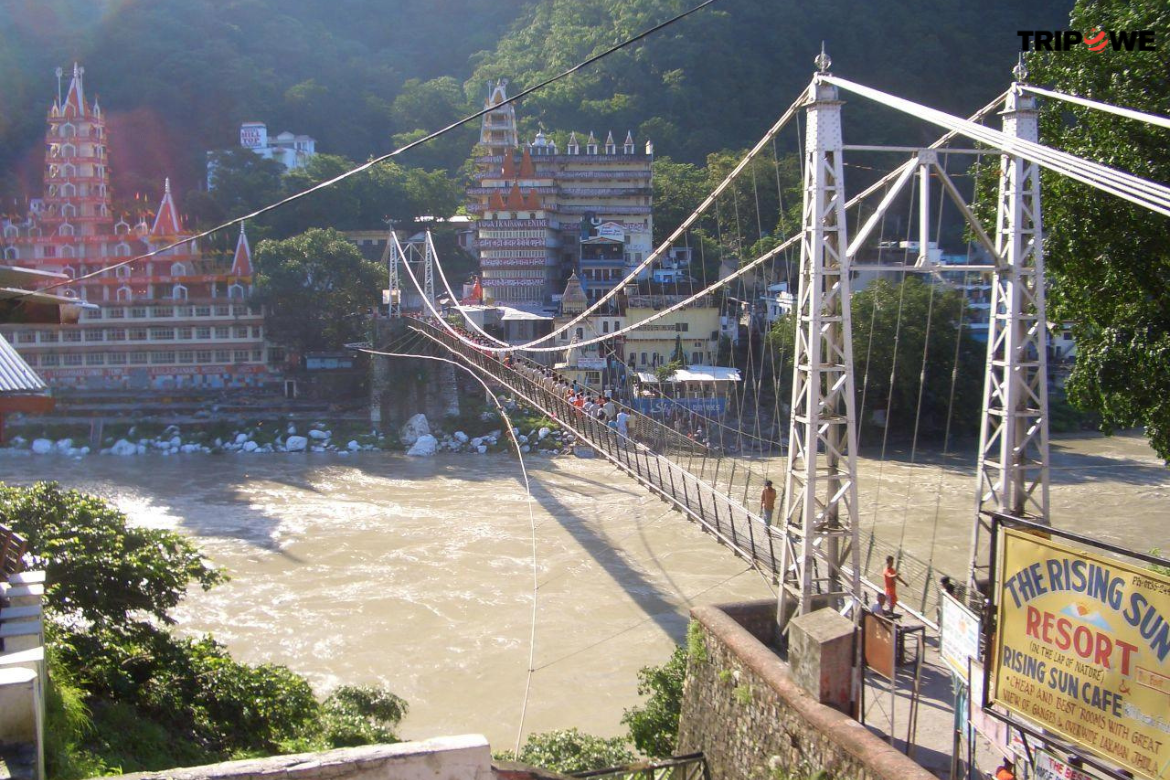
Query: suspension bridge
[815,551]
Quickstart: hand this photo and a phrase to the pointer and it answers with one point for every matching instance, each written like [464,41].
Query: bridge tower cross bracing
[429,256]
[1012,468]
[820,497]
[394,281]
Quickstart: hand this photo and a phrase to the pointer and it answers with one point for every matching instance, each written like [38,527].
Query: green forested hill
[177,76]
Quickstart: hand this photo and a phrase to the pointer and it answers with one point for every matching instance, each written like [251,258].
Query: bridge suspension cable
[1128,113]
[1142,192]
[786,245]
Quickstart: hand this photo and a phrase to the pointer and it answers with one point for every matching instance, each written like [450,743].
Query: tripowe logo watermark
[1095,39]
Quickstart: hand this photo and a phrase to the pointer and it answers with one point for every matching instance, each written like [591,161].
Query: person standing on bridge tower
[892,578]
[768,502]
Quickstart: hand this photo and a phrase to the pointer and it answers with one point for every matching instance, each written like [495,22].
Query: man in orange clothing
[1005,771]
[892,578]
[768,502]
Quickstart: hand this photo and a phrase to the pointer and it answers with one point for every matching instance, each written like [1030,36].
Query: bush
[361,715]
[654,727]
[569,750]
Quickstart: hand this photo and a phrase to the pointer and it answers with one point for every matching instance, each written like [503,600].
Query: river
[417,574]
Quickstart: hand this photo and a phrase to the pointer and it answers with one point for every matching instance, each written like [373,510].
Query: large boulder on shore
[424,446]
[414,428]
[296,443]
[124,448]
[42,446]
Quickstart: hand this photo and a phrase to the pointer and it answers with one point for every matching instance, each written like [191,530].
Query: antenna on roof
[60,72]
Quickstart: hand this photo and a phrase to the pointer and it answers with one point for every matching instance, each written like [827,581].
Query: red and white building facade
[179,319]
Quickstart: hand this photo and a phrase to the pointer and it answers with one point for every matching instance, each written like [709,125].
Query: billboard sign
[960,635]
[1083,650]
[1048,767]
[614,231]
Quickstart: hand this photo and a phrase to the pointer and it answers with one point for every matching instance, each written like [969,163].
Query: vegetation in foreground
[126,694]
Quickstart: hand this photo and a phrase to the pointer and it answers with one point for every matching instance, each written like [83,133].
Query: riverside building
[545,214]
[179,319]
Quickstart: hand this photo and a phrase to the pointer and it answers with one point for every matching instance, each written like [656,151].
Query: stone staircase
[22,663]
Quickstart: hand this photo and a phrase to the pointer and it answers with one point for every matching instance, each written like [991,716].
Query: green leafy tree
[654,727]
[97,568]
[890,334]
[316,289]
[1108,261]
[243,181]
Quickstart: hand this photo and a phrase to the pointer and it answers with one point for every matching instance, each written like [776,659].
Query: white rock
[544,432]
[296,444]
[176,441]
[481,449]
[415,427]
[64,445]
[424,446]
[251,446]
[522,438]
[319,434]
[42,446]
[123,447]
[83,450]
[218,442]
[343,452]
[241,438]
[140,449]
[19,441]
[292,430]
[525,448]
[353,445]
[461,436]
[317,448]
[476,441]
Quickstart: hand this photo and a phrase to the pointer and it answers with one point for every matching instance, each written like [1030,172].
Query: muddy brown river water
[417,574]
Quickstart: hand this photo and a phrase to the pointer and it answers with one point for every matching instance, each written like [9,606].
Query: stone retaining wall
[743,710]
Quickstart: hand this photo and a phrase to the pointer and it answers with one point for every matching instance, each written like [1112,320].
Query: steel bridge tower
[1013,440]
[820,492]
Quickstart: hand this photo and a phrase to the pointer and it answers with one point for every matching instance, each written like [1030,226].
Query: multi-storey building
[178,319]
[538,205]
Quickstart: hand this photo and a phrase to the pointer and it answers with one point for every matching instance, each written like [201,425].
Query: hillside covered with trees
[176,77]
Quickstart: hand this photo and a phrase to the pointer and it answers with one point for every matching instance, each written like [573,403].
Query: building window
[115,334]
[183,311]
[124,294]
[138,334]
[116,313]
[186,357]
[223,356]
[222,332]
[138,358]
[162,334]
[179,292]
[239,311]
[71,336]
[116,359]
[138,312]
[696,358]
[163,311]
[222,311]
[202,311]
[95,359]
[203,333]
[240,332]
[50,337]
[92,314]
[185,334]
[27,337]
[257,355]
[241,356]
[73,359]
[94,334]
[257,331]
[236,291]
[276,355]
[162,357]
[203,356]
[178,269]
[50,360]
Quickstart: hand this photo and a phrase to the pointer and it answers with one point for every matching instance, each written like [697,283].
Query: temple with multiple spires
[537,204]
[178,319]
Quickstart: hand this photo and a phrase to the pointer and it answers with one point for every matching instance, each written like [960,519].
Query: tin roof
[16,378]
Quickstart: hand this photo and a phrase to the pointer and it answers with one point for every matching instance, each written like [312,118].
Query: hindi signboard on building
[959,635]
[1083,650]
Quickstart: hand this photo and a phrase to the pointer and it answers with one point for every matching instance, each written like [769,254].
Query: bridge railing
[639,454]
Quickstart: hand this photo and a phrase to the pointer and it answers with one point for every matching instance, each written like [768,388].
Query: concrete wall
[465,757]
[751,720]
